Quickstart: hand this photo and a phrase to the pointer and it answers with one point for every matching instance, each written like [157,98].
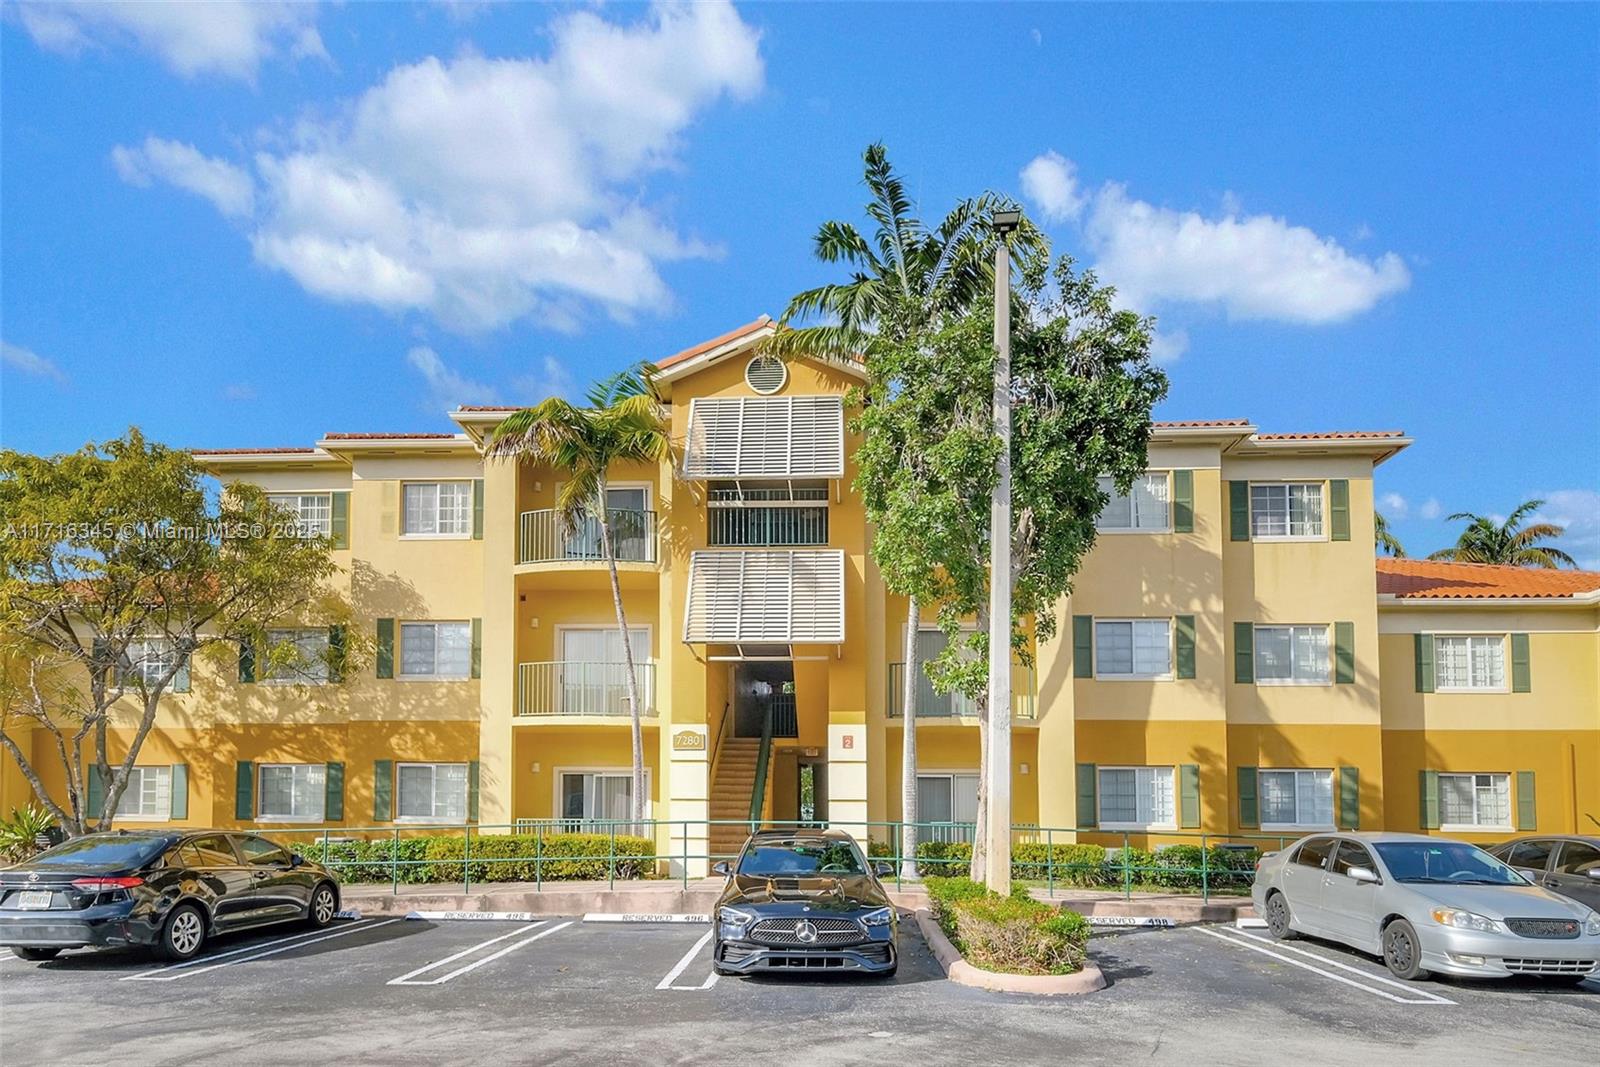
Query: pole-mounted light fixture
[1006,221]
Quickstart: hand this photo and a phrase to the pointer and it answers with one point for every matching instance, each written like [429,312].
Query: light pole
[997,813]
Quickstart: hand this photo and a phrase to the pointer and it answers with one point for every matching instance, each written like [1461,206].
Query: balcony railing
[761,526]
[545,539]
[933,705]
[573,688]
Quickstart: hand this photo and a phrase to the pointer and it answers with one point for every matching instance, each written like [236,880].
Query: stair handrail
[716,742]
[758,794]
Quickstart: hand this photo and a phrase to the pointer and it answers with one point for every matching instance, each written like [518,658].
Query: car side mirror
[880,868]
[1362,874]
[1594,872]
[296,860]
[722,867]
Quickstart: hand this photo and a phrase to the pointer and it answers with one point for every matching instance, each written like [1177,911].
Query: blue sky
[249,226]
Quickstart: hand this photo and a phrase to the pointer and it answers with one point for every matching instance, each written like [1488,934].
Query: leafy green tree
[622,423]
[1387,542]
[1508,543]
[120,569]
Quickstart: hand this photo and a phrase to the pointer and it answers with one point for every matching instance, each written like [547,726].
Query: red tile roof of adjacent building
[488,407]
[1424,579]
[388,436]
[716,342]
[1201,424]
[249,451]
[1333,435]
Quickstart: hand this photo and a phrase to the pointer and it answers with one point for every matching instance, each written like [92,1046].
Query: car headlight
[1592,925]
[881,917]
[735,918]
[1464,920]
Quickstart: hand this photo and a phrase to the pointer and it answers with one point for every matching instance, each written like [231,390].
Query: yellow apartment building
[1232,660]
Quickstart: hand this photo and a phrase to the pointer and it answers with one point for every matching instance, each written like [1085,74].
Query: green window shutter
[477,509]
[333,795]
[1339,509]
[1521,666]
[1344,652]
[1527,813]
[472,791]
[1428,784]
[1349,798]
[382,790]
[1249,806]
[247,660]
[180,680]
[180,791]
[244,793]
[340,524]
[1424,650]
[1244,653]
[477,648]
[97,793]
[1183,642]
[1189,796]
[1183,501]
[1088,805]
[1238,511]
[1083,646]
[336,653]
[385,654]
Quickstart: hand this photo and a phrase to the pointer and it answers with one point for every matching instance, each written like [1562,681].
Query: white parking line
[406,979]
[285,944]
[683,965]
[1408,987]
[1418,996]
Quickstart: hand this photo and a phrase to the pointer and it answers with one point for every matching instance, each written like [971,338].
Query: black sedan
[1568,864]
[803,900]
[171,889]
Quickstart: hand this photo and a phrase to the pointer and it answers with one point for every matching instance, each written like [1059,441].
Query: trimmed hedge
[1011,935]
[370,861]
[1091,866]
[560,857]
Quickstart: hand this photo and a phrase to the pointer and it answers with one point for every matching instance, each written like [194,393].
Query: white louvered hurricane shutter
[783,596]
[765,437]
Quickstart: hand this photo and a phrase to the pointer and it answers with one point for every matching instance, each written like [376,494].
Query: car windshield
[105,851]
[797,859]
[1444,862]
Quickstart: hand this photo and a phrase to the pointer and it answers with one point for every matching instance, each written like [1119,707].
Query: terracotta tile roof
[1422,579]
[488,407]
[1201,424]
[1334,435]
[388,436]
[715,342]
[249,451]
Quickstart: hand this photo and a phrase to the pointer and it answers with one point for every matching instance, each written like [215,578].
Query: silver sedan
[1426,904]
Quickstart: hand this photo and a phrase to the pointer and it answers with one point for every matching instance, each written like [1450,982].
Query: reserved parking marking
[1417,996]
[407,978]
[284,944]
[683,965]
[646,917]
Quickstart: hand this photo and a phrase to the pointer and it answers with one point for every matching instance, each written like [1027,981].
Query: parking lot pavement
[534,990]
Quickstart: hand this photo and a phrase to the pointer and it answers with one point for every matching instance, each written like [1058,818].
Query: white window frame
[1166,527]
[558,815]
[1478,826]
[1502,640]
[1300,823]
[1171,772]
[438,483]
[136,776]
[435,820]
[1135,675]
[402,674]
[143,665]
[264,816]
[322,528]
[1322,511]
[1255,653]
[300,677]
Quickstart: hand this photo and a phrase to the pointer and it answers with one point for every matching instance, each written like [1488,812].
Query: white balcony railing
[543,538]
[572,688]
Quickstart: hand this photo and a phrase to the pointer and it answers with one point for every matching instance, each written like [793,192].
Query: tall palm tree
[1509,542]
[901,280]
[622,423]
[1387,542]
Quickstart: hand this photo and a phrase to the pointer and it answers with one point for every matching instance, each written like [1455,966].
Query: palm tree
[902,280]
[1387,542]
[622,423]
[1507,543]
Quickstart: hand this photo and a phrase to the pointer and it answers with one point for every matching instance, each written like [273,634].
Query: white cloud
[1167,346]
[482,191]
[230,190]
[1431,509]
[446,388]
[550,379]
[1579,511]
[239,392]
[204,37]
[1051,182]
[1394,506]
[27,361]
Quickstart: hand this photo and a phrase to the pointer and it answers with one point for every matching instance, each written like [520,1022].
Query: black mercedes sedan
[170,889]
[803,900]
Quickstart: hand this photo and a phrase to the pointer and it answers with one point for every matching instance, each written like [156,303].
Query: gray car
[1565,864]
[1426,904]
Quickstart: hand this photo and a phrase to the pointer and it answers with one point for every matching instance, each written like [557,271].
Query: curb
[960,971]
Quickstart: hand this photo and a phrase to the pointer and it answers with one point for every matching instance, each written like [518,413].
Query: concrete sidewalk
[672,897]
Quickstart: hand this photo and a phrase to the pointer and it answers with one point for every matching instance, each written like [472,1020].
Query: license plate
[34,899]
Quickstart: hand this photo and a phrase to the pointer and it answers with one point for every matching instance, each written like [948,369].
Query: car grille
[784,933]
[1550,929]
[1536,966]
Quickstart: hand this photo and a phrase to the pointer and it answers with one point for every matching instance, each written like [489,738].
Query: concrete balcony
[933,705]
[544,539]
[564,690]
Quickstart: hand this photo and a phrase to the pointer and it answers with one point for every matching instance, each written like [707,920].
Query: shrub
[555,857]
[1075,865]
[370,861]
[943,858]
[1013,935]
[20,834]
[1180,867]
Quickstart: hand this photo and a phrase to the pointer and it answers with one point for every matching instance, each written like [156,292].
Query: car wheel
[36,955]
[1402,951]
[324,905]
[184,933]
[1278,917]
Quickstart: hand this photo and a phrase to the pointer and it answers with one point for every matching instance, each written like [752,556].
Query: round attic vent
[766,374]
